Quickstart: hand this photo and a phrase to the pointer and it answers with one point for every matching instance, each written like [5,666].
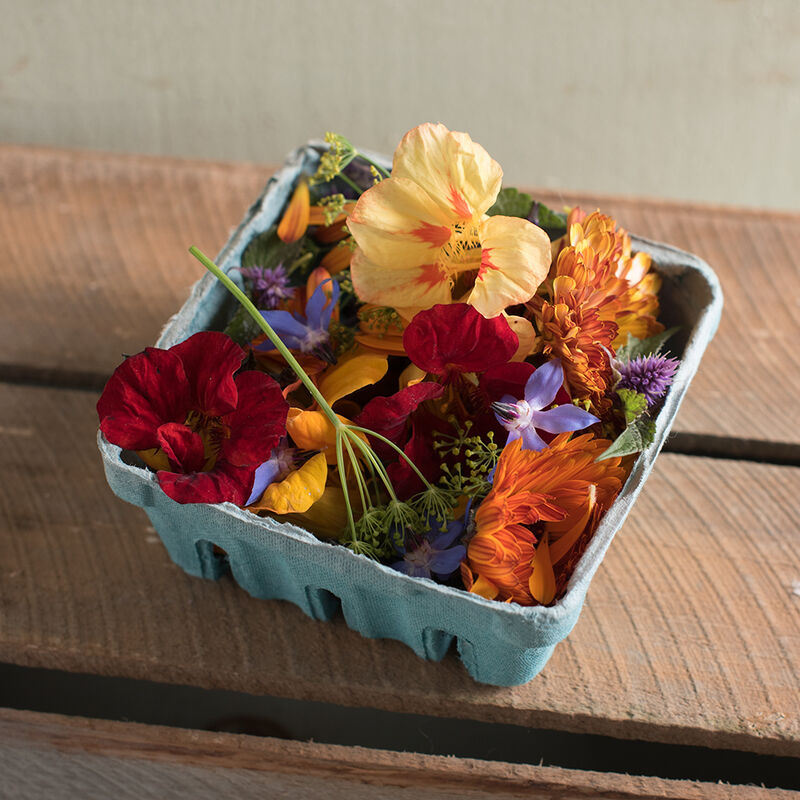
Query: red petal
[419,449]
[146,391]
[457,338]
[183,447]
[210,358]
[259,421]
[505,379]
[223,483]
[389,415]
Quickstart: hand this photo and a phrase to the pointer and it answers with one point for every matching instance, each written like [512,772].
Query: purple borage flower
[521,418]
[270,286]
[308,333]
[434,554]
[648,375]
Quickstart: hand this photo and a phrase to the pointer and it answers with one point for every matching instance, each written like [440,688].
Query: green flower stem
[366,502]
[351,524]
[391,444]
[375,463]
[352,184]
[271,335]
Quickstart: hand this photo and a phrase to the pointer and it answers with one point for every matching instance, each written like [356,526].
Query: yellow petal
[298,491]
[525,334]
[327,518]
[410,375]
[312,430]
[353,372]
[418,287]
[455,171]
[294,222]
[396,223]
[542,583]
[515,259]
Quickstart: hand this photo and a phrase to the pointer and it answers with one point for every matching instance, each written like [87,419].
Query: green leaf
[267,250]
[511,203]
[634,404]
[638,435]
[634,348]
[242,328]
[552,222]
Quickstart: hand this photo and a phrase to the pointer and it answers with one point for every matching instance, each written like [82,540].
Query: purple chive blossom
[270,286]
[648,375]
[308,333]
[434,554]
[521,418]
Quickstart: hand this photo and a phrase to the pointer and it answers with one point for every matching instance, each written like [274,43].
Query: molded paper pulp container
[499,643]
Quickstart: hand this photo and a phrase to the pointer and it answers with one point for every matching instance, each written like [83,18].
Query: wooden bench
[691,630]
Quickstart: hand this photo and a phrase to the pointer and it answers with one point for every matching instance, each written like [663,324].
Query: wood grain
[93,252]
[691,631]
[93,256]
[47,755]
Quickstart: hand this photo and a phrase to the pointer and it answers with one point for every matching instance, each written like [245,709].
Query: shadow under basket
[503,644]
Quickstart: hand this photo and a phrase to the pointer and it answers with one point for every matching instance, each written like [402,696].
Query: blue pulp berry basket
[503,644]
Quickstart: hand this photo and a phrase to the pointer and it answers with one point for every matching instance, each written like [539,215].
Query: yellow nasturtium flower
[424,237]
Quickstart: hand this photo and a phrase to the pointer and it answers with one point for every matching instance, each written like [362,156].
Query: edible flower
[521,418]
[203,430]
[648,375]
[434,554]
[270,286]
[424,237]
[294,221]
[307,333]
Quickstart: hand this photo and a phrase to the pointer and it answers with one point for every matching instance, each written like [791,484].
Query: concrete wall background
[690,99]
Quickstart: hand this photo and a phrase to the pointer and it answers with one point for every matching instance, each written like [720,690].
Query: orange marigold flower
[562,485]
[625,291]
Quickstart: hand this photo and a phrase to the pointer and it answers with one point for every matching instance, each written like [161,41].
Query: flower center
[212,431]
[462,253]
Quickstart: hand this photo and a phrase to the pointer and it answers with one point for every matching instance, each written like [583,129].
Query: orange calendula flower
[424,237]
[294,221]
[512,554]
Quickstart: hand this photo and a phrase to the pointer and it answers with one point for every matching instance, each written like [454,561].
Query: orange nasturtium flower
[424,237]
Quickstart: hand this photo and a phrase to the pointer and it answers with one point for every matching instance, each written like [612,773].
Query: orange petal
[542,582]
[294,222]
[564,543]
[337,259]
[312,430]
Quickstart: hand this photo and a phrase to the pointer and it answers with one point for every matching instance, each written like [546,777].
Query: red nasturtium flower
[449,339]
[203,430]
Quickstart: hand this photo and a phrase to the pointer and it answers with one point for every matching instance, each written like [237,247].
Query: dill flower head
[270,286]
[649,375]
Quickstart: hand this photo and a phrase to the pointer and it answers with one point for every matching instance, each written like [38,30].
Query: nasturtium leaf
[511,203]
[552,222]
[638,435]
[634,348]
[634,404]
[267,250]
[242,328]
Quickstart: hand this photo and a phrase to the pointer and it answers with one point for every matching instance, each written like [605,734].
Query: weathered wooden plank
[93,250]
[691,632]
[48,755]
